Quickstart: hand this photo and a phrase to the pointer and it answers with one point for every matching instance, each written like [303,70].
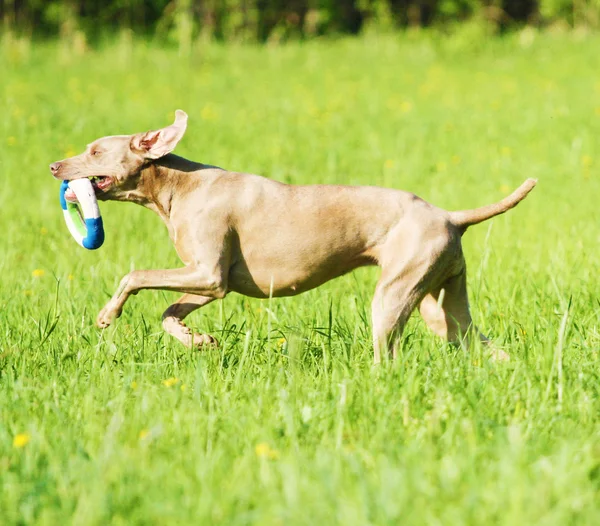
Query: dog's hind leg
[392,305]
[173,317]
[403,284]
[447,314]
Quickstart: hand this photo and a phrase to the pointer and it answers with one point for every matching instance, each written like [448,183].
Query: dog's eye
[95,153]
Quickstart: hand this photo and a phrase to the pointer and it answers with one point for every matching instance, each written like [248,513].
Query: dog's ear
[158,143]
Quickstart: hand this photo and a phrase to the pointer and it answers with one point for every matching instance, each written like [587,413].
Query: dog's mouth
[100,183]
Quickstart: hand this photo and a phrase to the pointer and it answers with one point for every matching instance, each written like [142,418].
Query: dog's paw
[498,355]
[203,341]
[106,316]
[103,321]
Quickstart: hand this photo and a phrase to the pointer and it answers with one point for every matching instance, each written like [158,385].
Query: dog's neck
[158,182]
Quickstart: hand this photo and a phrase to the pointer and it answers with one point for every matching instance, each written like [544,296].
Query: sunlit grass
[288,421]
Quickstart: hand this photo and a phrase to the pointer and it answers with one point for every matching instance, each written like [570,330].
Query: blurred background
[274,20]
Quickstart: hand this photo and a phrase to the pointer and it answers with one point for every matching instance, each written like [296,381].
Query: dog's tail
[463,219]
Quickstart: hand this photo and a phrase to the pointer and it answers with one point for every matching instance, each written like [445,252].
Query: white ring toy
[84,221]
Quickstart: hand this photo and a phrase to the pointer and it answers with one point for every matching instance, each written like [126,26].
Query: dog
[244,233]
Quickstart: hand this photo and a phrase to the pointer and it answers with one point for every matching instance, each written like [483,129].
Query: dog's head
[114,163]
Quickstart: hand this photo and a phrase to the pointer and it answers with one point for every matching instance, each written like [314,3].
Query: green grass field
[289,422]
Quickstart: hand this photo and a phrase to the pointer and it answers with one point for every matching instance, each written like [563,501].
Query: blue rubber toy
[83,218]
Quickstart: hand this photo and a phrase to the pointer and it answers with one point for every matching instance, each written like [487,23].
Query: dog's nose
[55,168]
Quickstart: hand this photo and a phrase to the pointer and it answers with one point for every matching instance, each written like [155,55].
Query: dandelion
[388,164]
[134,385]
[21,440]
[144,434]
[406,106]
[505,151]
[597,111]
[70,277]
[43,231]
[38,272]
[586,161]
[11,141]
[208,113]
[28,292]
[170,382]
[504,188]
[263,450]
[70,152]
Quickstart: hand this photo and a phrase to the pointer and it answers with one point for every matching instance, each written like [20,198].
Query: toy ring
[84,221]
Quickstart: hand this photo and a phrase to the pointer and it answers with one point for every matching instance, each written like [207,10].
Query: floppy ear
[158,143]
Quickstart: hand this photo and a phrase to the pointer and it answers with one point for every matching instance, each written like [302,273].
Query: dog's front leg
[199,280]
[173,321]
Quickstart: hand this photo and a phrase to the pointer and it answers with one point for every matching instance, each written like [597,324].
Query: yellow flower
[504,188]
[70,277]
[21,440]
[406,106]
[134,385]
[183,387]
[144,434]
[388,164]
[586,161]
[70,153]
[281,341]
[28,292]
[505,151]
[38,272]
[263,450]
[208,113]
[170,382]
[11,141]
[597,110]
[43,231]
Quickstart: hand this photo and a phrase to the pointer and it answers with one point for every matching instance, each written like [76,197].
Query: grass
[289,422]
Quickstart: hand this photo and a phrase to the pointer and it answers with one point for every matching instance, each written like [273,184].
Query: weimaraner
[261,238]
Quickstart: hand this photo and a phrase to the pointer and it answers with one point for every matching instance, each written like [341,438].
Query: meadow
[289,422]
